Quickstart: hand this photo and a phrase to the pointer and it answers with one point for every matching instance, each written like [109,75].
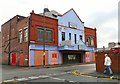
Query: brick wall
[10,28]
[23,47]
[115,66]
[41,21]
[91,32]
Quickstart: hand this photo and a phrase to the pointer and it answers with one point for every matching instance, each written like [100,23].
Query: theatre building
[47,38]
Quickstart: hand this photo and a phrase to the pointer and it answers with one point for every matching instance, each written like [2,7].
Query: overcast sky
[102,14]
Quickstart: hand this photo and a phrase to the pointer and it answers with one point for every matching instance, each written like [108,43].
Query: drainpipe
[9,44]
[29,18]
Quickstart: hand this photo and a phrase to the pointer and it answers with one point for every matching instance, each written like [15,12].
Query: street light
[44,38]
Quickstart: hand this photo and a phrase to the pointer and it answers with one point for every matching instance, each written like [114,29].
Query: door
[21,60]
[13,59]
[38,57]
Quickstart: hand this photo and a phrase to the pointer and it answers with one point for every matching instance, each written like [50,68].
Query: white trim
[20,29]
[26,27]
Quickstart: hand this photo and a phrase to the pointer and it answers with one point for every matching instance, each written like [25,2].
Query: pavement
[92,73]
[38,67]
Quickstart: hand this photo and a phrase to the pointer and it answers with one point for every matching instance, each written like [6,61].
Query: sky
[99,14]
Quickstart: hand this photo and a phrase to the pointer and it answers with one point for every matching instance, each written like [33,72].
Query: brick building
[91,43]
[10,36]
[46,39]
[91,37]
[43,40]
[23,34]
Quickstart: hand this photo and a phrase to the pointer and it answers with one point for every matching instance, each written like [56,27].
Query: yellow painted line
[107,78]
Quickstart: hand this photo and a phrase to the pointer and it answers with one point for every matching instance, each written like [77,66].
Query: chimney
[46,10]
[32,11]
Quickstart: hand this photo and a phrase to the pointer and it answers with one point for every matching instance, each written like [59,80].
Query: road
[56,74]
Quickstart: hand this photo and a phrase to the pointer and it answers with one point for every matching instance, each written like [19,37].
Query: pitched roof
[74,12]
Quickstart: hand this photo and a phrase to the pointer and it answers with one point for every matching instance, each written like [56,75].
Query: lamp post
[44,38]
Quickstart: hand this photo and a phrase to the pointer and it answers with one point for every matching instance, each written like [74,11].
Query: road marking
[60,79]
[9,80]
[21,79]
[33,77]
[68,72]
[43,76]
[57,79]
[71,81]
[63,73]
[36,77]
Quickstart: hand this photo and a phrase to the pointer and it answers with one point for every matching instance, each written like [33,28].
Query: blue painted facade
[70,17]
[34,47]
[31,58]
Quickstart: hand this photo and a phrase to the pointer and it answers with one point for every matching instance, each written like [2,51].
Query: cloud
[107,26]
[101,14]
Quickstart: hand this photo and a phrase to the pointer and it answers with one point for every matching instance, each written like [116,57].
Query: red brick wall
[40,21]
[115,66]
[91,32]
[23,47]
[14,45]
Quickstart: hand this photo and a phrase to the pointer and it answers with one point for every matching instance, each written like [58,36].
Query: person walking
[107,63]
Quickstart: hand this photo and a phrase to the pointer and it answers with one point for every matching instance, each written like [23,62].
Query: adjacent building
[47,38]
[10,40]
[71,43]
[91,43]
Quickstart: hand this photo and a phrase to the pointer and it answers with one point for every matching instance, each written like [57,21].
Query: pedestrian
[107,63]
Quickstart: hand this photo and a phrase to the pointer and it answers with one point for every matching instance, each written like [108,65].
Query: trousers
[108,68]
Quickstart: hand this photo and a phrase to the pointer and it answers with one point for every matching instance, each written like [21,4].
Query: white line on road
[60,79]
[57,79]
[33,77]
[9,80]
[36,77]
[43,76]
[63,73]
[22,79]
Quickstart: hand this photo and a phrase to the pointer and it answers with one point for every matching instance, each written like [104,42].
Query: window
[75,38]
[92,41]
[26,35]
[20,36]
[69,36]
[80,37]
[63,36]
[49,35]
[72,24]
[40,34]
[88,41]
